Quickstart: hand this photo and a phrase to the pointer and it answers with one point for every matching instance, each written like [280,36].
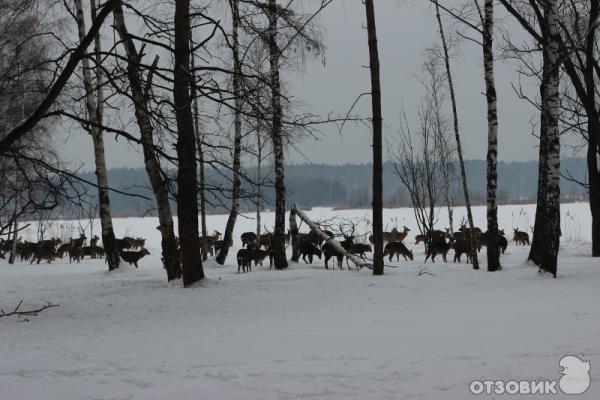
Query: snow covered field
[301,333]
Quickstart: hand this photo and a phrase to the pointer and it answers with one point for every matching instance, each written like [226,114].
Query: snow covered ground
[301,333]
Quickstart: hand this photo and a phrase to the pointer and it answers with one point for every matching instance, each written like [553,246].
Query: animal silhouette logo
[575,375]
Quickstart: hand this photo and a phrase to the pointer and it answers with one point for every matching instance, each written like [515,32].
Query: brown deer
[393,236]
[94,241]
[244,260]
[438,246]
[520,237]
[44,253]
[75,253]
[132,257]
[330,251]
[397,249]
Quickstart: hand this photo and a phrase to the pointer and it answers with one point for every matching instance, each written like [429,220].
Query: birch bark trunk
[95,110]
[551,81]
[493,249]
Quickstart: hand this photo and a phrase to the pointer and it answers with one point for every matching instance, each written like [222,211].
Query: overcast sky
[405,29]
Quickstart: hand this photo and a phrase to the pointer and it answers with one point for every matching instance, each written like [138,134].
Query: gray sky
[405,29]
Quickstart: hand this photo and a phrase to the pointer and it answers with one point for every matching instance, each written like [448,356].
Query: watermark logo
[575,375]
[575,380]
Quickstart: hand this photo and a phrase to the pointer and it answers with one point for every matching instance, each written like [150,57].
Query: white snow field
[304,332]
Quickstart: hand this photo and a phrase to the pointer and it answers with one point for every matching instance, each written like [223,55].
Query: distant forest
[349,186]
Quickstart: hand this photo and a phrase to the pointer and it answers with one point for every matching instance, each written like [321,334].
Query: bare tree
[377,144]
[461,162]
[151,162]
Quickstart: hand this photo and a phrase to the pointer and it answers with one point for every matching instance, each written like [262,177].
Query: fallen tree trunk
[359,262]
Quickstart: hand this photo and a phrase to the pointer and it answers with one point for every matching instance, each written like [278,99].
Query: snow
[304,332]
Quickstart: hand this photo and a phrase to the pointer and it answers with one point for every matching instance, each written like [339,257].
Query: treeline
[349,186]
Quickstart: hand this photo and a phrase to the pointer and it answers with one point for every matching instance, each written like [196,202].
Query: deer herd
[256,248]
[130,249]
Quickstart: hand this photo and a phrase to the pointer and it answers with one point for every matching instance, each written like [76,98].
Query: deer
[308,248]
[398,249]
[44,253]
[244,260]
[132,257]
[135,243]
[248,239]
[520,237]
[79,241]
[438,246]
[484,240]
[75,253]
[330,251]
[94,241]
[393,236]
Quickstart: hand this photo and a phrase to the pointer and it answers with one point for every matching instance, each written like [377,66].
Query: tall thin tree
[377,140]
[237,133]
[461,161]
[94,101]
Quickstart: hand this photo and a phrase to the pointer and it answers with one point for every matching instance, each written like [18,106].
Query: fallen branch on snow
[26,312]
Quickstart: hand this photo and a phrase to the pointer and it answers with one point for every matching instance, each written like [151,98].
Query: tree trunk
[15,224]
[294,239]
[278,244]
[258,181]
[550,80]
[493,249]
[461,161]
[202,183]
[142,113]
[95,106]
[237,145]
[594,182]
[187,205]
[377,133]
[593,126]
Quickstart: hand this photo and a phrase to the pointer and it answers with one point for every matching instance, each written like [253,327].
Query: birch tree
[546,235]
[237,142]
[94,101]
[278,245]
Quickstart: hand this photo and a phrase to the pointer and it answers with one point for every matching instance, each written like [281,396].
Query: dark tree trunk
[187,205]
[594,182]
[202,183]
[278,244]
[377,131]
[294,239]
[493,249]
[237,145]
[593,126]
[461,161]
[142,114]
